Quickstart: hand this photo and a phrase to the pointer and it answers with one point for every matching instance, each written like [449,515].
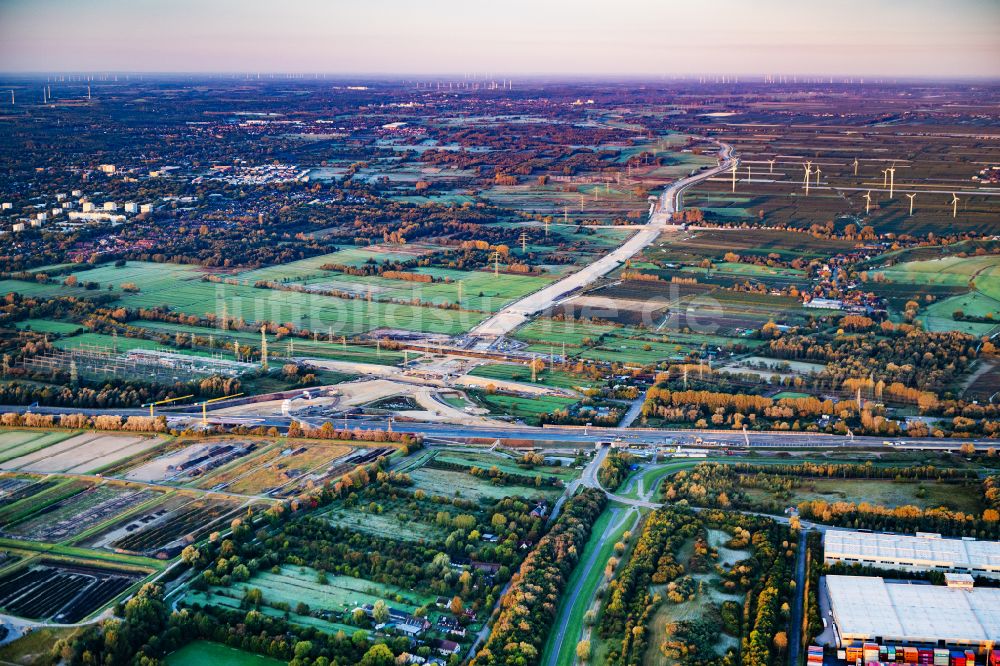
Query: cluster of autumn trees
[901,354]
[112,394]
[865,515]
[991,490]
[81,421]
[528,608]
[711,407]
[758,622]
[629,604]
[613,470]
[866,470]
[738,486]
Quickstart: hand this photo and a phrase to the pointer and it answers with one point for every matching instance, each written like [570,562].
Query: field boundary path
[489,331]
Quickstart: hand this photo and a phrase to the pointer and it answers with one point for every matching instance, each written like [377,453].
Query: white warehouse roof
[924,551]
[865,608]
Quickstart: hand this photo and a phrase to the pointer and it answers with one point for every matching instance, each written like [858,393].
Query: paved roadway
[517,313]
[556,434]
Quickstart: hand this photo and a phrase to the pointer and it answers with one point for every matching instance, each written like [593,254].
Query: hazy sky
[934,38]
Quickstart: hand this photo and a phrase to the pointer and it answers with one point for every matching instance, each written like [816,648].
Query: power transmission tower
[263,347]
[524,242]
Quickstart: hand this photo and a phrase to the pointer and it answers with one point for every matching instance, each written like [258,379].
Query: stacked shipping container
[873,654]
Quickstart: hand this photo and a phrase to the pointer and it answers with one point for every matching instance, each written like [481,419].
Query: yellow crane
[151,405]
[204,406]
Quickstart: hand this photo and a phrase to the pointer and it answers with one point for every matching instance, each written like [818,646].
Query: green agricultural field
[528,409]
[120,342]
[180,288]
[456,400]
[617,349]
[481,290]
[555,332]
[295,271]
[600,203]
[49,326]
[939,316]
[460,484]
[345,593]
[979,275]
[522,373]
[205,653]
[949,270]
[46,495]
[38,289]
[486,460]
[232,599]
[146,275]
[789,394]
[624,344]
[315,312]
[16,443]
[692,247]
[752,270]
[322,348]
[955,496]
[390,524]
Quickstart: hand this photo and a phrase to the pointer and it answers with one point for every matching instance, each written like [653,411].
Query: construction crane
[151,405]
[204,406]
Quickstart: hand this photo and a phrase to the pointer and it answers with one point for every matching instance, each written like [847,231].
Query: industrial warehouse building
[923,552]
[873,609]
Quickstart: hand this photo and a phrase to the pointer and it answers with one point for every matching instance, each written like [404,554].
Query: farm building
[923,552]
[873,609]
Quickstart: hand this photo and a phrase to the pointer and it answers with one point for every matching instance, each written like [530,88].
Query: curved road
[517,313]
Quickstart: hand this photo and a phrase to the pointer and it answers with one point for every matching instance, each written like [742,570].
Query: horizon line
[495,76]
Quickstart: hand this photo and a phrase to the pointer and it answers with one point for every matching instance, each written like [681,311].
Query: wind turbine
[954,205]
[771,162]
[817,172]
[734,176]
[885,177]
[808,169]
[855,166]
[868,201]
[892,179]
[748,173]
[911,196]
